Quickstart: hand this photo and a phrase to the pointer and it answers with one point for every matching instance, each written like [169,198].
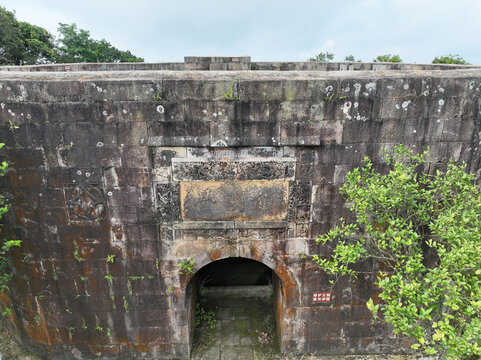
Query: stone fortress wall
[212,158]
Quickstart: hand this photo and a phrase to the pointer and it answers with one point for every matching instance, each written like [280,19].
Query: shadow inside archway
[235,313]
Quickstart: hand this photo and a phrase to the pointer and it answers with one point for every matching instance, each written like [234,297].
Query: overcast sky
[287,30]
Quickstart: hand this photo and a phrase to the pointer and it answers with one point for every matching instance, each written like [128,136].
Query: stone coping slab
[220,76]
[246,291]
[194,225]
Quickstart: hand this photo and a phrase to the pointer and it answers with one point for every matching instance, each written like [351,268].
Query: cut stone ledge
[248,291]
[193,225]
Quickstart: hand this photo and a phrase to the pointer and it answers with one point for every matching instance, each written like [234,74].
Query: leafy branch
[425,233]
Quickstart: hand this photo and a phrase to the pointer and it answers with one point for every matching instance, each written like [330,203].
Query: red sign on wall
[321,297]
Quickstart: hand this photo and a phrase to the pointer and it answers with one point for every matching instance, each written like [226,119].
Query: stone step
[248,291]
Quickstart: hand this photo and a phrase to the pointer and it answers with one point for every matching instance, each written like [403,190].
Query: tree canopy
[425,231]
[388,58]
[322,57]
[328,56]
[38,44]
[24,43]
[351,58]
[10,39]
[76,45]
[450,59]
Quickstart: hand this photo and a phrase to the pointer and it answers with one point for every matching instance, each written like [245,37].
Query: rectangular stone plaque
[234,200]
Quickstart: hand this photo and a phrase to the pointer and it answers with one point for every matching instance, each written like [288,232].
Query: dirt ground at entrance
[244,329]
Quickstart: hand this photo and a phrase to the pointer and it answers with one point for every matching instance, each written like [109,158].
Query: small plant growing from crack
[76,254]
[336,95]
[204,317]
[156,97]
[229,95]
[12,125]
[37,319]
[170,291]
[187,267]
[7,311]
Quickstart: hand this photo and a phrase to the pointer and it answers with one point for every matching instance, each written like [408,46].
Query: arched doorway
[236,306]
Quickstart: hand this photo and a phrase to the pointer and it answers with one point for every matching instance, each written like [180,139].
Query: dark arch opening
[236,304]
[235,272]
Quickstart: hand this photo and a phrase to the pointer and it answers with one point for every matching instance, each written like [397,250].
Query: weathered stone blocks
[150,168]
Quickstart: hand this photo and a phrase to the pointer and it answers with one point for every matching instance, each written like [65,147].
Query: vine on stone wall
[5,260]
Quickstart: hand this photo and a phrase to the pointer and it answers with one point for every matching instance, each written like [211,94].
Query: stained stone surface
[97,155]
[234,200]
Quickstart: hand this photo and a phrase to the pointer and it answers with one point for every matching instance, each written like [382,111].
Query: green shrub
[322,57]
[425,230]
[450,59]
[388,58]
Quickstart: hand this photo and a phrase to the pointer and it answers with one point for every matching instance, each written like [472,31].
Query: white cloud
[271,30]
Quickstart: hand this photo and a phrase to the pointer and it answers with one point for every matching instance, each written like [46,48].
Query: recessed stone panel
[259,169]
[234,200]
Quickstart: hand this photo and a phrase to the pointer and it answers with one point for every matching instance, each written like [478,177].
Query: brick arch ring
[290,286]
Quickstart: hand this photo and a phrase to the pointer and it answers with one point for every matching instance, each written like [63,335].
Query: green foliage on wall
[388,58]
[450,59]
[425,233]
[322,57]
[351,58]
[5,261]
[187,267]
[205,318]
